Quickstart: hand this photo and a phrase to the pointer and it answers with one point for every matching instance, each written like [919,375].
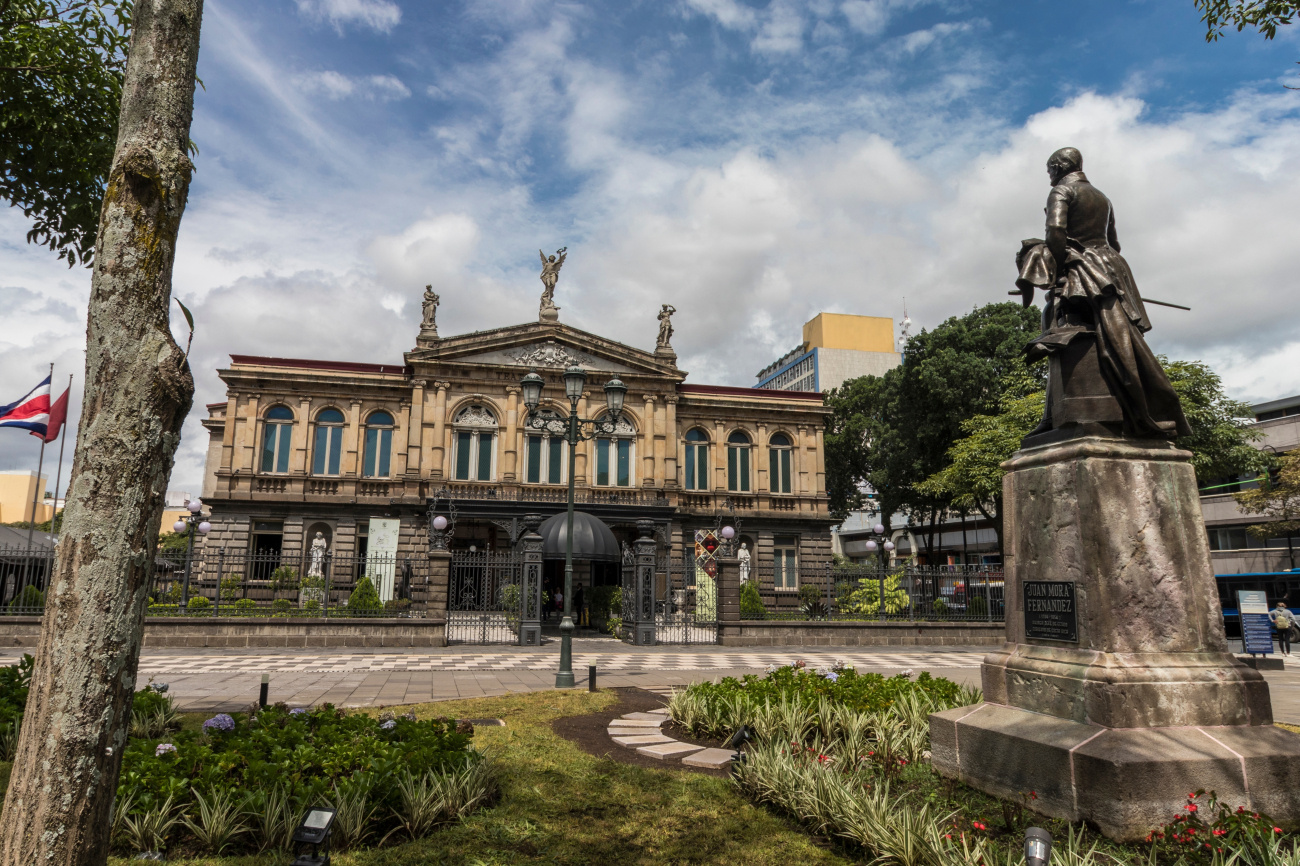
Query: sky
[752,162]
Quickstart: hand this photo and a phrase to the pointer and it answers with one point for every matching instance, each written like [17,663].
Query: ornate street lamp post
[574,430]
[882,552]
[190,525]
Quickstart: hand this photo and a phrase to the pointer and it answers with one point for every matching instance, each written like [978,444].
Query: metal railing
[863,593]
[554,493]
[24,576]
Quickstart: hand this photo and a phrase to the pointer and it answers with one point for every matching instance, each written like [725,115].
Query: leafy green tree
[973,477]
[1278,497]
[1221,438]
[891,433]
[61,69]
[173,541]
[751,602]
[1262,15]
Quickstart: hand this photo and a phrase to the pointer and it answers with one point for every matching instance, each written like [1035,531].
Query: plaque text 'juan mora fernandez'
[1049,610]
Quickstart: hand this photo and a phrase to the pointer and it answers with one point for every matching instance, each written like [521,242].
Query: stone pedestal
[1147,704]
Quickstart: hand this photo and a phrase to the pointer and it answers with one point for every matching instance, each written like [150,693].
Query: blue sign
[1256,630]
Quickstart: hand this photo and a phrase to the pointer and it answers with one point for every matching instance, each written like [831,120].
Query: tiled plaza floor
[217,679]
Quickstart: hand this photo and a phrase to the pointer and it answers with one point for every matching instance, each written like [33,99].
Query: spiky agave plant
[218,820]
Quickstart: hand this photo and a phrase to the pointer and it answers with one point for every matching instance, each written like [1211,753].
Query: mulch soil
[589,734]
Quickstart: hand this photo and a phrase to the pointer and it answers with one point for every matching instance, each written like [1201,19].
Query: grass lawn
[561,805]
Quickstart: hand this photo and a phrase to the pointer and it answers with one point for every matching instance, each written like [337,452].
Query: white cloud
[335,85]
[867,16]
[782,32]
[380,15]
[729,13]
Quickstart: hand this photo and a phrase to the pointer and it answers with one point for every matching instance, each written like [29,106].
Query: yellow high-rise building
[16,491]
[836,347]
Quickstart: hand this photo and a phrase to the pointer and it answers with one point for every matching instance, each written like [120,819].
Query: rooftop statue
[550,276]
[429,307]
[665,326]
[1102,371]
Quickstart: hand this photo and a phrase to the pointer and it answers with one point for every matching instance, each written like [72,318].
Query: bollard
[266,687]
[591,678]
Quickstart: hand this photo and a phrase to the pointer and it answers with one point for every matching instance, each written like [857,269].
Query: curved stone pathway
[643,732]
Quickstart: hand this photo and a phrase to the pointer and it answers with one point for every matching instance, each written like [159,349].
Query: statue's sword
[1144,300]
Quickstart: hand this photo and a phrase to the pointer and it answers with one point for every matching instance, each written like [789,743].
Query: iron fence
[869,592]
[485,600]
[24,576]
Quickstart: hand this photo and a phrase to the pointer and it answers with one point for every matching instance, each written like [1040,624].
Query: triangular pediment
[542,346]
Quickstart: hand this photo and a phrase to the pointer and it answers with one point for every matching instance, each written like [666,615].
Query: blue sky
[751,163]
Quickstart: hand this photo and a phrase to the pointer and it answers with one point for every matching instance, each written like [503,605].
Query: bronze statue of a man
[1102,370]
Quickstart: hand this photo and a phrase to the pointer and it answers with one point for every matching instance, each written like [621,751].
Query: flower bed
[848,755]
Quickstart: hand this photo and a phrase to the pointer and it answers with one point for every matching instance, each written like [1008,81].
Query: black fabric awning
[592,539]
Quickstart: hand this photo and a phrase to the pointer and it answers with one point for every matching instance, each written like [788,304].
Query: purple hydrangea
[163,749]
[297,711]
[219,722]
[832,676]
[389,725]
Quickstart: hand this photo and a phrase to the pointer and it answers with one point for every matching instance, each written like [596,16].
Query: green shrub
[281,605]
[940,607]
[199,604]
[605,606]
[364,597]
[311,605]
[861,598]
[978,607]
[162,609]
[30,598]
[246,606]
[284,578]
[235,776]
[232,586]
[402,605]
[751,601]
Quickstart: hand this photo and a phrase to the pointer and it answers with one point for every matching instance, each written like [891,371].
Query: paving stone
[642,740]
[643,717]
[625,722]
[664,751]
[712,759]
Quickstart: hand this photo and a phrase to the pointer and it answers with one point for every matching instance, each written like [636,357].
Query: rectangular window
[322,461]
[385,449]
[379,443]
[485,457]
[268,448]
[282,457]
[738,469]
[702,470]
[554,461]
[690,467]
[602,462]
[534,459]
[779,466]
[625,463]
[785,562]
[464,444]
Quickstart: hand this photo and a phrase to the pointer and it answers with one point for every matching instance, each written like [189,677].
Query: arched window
[276,438]
[328,447]
[544,459]
[778,456]
[738,447]
[697,459]
[476,430]
[614,456]
[379,445]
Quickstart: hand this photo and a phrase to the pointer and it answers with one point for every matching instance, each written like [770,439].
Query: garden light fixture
[314,831]
[572,430]
[191,524]
[1038,846]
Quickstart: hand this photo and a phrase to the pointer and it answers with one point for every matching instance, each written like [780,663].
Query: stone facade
[301,446]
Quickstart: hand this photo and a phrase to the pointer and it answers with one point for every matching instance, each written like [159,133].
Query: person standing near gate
[559,604]
[1283,620]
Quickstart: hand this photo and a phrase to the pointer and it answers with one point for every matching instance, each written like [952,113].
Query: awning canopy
[592,539]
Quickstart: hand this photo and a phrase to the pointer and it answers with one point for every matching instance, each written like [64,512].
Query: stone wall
[896,634]
[162,632]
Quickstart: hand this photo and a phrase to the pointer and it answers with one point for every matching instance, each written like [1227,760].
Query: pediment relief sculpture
[475,416]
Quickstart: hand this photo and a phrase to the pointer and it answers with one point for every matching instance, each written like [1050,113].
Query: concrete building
[836,347]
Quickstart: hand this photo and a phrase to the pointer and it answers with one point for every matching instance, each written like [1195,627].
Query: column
[401,433]
[670,441]
[646,441]
[509,435]
[228,461]
[439,581]
[352,441]
[301,438]
[249,437]
[805,469]
[719,456]
[437,442]
[530,618]
[644,603]
[820,459]
[728,601]
[660,444]
[584,448]
[415,433]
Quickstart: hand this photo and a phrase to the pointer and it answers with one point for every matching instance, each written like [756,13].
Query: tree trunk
[138,391]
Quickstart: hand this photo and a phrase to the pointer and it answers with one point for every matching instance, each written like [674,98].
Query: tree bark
[58,809]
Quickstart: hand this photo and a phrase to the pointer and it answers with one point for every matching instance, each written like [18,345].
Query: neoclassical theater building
[359,452]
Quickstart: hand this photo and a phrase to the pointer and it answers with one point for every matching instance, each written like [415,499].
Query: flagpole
[58,476]
[31,527]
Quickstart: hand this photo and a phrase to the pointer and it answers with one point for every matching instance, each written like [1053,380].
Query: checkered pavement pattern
[361,662]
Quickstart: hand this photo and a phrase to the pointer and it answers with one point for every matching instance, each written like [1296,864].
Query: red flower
[1277,829]
[1219,832]
[1191,807]
[978,826]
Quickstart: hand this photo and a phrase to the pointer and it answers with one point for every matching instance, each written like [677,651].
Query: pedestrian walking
[1283,620]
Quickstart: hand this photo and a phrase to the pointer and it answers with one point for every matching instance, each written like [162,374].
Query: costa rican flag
[31,412]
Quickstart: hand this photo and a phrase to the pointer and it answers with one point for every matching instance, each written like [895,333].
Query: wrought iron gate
[484,598]
[686,606]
